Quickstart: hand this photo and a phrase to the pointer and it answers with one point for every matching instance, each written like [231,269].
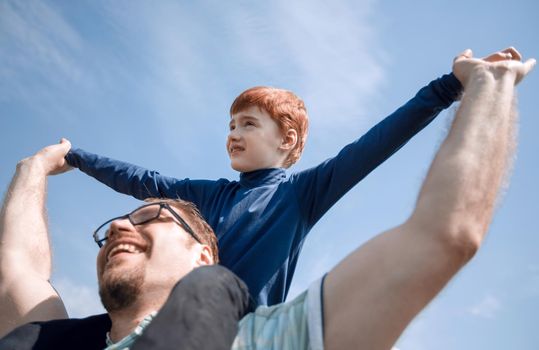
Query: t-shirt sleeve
[318,188]
[137,181]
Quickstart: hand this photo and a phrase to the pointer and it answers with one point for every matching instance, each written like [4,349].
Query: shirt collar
[129,339]
[262,177]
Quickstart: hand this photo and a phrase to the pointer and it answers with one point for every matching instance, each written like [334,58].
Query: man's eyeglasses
[143,215]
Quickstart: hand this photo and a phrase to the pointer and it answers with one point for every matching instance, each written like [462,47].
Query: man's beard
[119,290]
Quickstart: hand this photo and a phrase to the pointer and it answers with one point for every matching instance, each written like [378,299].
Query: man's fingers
[524,69]
[463,55]
[65,141]
[498,56]
[467,53]
[64,145]
[528,65]
[60,148]
[515,55]
[509,53]
[53,157]
[508,58]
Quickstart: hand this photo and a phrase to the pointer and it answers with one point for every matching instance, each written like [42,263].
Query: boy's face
[254,141]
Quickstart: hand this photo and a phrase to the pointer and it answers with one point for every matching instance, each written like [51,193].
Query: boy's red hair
[284,107]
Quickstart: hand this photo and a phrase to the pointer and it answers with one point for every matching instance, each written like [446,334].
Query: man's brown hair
[190,213]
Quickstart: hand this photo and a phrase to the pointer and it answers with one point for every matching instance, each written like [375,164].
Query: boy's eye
[249,124]
[231,127]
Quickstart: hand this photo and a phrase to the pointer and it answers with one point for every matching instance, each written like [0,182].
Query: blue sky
[151,83]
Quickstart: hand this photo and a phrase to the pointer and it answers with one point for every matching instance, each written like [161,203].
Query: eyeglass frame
[162,205]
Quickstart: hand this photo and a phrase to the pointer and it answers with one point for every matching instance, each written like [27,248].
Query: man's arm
[371,296]
[25,255]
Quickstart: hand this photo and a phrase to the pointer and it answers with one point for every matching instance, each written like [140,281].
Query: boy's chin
[243,168]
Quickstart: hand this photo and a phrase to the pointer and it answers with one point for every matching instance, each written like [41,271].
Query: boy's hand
[499,64]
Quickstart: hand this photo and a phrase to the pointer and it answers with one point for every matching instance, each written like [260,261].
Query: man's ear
[205,256]
[289,140]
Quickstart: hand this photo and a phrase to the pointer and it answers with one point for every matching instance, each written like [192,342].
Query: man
[142,256]
[365,302]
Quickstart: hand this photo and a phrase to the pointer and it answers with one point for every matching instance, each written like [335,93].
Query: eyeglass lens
[145,214]
[138,216]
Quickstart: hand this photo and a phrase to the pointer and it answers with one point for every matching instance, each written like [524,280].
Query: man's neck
[126,320]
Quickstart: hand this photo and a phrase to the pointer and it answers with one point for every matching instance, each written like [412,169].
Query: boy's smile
[234,149]
[254,141]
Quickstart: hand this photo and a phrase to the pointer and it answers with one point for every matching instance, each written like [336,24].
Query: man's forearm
[23,228]
[466,174]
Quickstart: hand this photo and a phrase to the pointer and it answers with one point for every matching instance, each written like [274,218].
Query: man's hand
[52,158]
[505,63]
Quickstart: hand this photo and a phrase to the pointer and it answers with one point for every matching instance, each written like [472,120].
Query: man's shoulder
[101,319]
[79,333]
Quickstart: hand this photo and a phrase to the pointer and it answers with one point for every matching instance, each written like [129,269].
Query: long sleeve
[321,186]
[139,182]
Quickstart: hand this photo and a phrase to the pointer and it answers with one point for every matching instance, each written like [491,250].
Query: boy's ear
[289,140]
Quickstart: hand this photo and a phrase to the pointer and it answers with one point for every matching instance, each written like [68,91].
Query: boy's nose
[233,135]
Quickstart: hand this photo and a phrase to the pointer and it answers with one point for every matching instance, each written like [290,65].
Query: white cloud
[38,55]
[80,300]
[200,56]
[183,63]
[41,33]
[488,307]
[333,45]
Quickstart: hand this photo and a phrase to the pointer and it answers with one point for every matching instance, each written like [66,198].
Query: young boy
[262,219]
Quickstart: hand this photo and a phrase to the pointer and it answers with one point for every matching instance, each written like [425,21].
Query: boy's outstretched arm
[137,181]
[372,295]
[321,186]
[25,254]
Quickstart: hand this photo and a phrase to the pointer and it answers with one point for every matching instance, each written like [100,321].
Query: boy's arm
[137,181]
[26,294]
[321,186]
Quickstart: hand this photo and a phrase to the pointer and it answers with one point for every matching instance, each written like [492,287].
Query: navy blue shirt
[262,219]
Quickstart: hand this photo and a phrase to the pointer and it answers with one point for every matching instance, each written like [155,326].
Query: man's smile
[123,248]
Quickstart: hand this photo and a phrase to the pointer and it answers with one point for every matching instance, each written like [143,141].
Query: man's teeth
[124,247]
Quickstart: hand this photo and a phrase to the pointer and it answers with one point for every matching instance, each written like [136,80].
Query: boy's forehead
[252,111]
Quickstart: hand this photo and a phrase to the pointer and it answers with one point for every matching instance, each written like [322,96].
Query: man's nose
[119,226]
